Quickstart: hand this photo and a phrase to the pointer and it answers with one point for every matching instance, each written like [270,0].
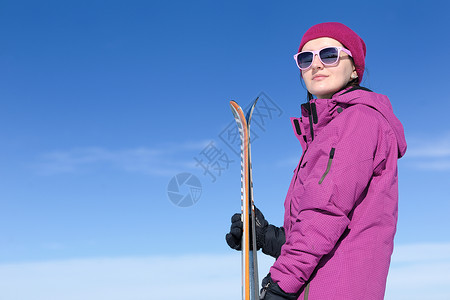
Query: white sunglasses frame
[316,52]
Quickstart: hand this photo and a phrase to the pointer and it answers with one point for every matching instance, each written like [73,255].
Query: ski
[250,287]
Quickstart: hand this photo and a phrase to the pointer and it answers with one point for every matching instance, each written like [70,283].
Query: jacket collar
[317,113]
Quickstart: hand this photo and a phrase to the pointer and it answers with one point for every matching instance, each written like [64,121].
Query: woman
[341,206]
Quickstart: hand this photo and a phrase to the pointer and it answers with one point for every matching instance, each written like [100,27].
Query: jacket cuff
[288,282]
[272,290]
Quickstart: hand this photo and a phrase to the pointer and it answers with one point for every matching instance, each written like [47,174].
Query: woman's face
[323,81]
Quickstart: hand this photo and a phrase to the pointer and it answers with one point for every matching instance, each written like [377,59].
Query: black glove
[234,238]
[272,291]
[268,237]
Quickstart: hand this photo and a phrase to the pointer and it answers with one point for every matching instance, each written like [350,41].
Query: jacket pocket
[330,160]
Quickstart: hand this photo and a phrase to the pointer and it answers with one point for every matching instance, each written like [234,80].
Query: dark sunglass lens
[304,59]
[329,55]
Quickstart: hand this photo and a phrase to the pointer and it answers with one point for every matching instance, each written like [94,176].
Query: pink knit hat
[345,36]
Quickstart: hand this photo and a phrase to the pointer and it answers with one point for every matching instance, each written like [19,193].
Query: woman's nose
[316,63]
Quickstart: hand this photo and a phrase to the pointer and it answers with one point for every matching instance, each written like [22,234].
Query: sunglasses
[328,56]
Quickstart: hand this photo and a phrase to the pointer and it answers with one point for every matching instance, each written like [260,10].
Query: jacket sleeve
[337,173]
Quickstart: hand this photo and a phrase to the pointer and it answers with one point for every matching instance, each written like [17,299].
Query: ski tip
[250,111]
[234,105]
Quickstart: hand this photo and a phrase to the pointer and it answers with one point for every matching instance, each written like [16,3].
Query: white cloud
[420,271]
[164,160]
[421,253]
[429,153]
[433,164]
[432,148]
[291,161]
[136,278]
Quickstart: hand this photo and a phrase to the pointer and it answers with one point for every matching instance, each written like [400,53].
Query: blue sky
[102,103]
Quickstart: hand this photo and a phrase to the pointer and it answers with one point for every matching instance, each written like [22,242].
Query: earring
[354,76]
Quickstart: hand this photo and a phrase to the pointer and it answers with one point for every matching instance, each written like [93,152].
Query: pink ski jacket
[341,206]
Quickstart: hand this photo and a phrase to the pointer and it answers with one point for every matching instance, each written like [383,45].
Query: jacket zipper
[300,163]
[330,160]
[297,169]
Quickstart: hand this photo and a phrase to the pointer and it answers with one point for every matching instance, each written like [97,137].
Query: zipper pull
[264,291]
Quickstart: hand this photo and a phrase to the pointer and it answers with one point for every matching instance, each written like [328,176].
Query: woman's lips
[319,77]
